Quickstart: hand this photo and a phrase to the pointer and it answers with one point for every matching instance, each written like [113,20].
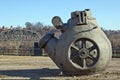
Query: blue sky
[17,12]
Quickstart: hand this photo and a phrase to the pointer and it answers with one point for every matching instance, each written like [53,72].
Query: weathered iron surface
[83,48]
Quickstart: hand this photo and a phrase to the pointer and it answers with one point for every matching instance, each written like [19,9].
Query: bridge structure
[19,35]
[19,42]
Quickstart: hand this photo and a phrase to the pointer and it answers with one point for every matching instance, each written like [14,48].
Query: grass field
[35,68]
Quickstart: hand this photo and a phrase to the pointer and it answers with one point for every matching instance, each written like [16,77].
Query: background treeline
[40,29]
[21,40]
[114,37]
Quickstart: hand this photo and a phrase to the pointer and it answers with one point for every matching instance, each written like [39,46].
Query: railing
[38,52]
[116,53]
[21,52]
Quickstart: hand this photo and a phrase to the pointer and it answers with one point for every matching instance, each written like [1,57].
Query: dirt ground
[36,68]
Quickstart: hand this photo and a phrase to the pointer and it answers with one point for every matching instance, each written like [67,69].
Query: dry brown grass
[35,68]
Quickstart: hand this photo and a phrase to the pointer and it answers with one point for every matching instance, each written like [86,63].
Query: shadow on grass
[33,74]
